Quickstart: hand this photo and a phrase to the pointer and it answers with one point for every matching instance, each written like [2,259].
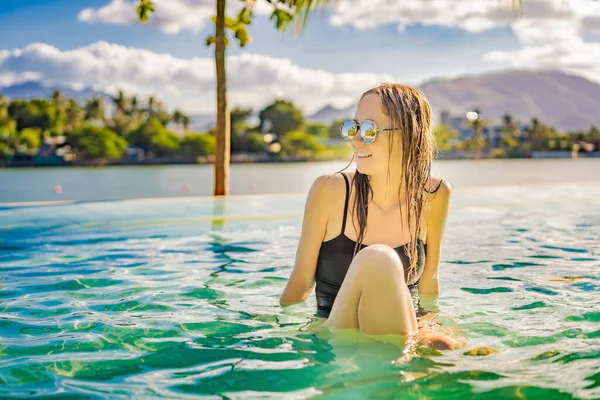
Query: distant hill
[33,90]
[330,114]
[564,101]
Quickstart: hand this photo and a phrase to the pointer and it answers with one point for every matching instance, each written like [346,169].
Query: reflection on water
[162,299]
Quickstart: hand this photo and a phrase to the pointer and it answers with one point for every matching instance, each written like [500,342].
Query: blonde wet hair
[410,113]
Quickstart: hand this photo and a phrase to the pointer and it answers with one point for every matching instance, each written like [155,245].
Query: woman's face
[372,159]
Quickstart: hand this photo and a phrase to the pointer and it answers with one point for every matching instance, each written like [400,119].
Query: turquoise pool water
[179,298]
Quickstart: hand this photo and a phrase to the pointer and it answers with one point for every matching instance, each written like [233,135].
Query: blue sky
[417,54]
[445,40]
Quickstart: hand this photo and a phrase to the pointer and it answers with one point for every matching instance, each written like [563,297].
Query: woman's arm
[314,225]
[436,225]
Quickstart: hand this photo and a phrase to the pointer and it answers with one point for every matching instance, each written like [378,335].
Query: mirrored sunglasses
[368,130]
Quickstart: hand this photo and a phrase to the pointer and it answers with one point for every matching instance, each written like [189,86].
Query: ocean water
[178,298]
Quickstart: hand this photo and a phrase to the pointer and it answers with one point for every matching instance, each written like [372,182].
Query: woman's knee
[378,259]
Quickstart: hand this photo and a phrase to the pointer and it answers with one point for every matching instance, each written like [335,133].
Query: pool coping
[141,199]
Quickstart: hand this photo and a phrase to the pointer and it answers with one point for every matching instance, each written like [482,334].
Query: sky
[341,53]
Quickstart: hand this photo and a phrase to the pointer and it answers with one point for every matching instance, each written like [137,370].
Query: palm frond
[306,7]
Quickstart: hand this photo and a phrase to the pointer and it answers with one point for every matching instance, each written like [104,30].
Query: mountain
[330,113]
[564,101]
[34,90]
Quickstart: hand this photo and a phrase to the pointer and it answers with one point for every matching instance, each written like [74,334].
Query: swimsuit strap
[441,181]
[346,203]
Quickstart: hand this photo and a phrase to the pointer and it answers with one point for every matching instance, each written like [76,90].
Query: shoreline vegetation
[127,131]
[259,159]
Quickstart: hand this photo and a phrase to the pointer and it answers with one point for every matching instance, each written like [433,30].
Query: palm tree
[152,105]
[120,120]
[222,128]
[537,134]
[156,109]
[510,125]
[185,121]
[58,100]
[134,111]
[181,119]
[176,117]
[94,109]
[74,114]
[509,130]
[120,103]
[3,110]
[133,106]
[477,141]
[8,128]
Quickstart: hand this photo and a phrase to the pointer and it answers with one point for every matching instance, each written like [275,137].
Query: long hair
[410,113]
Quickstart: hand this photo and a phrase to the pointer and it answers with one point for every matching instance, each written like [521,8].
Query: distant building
[54,151]
[492,130]
[135,153]
[495,133]
[459,124]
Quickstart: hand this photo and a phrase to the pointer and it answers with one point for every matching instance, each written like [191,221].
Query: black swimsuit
[334,260]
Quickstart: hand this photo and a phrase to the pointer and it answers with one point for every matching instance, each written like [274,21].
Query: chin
[365,167]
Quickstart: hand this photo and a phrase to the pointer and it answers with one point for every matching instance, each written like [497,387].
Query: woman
[371,240]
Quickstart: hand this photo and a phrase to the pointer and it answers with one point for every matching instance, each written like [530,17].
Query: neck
[386,187]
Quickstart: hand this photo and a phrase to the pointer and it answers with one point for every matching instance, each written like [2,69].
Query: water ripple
[116,303]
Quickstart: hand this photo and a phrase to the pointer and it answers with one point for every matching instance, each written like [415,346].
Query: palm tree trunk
[222,128]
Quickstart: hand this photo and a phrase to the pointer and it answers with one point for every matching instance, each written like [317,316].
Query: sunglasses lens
[368,131]
[348,130]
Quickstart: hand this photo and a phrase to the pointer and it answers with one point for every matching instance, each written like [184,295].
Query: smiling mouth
[363,155]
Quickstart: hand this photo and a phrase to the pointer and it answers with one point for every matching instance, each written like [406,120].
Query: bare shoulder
[328,189]
[439,188]
[329,183]
[437,206]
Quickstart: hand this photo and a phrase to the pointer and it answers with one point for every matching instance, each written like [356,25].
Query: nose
[358,146]
[357,140]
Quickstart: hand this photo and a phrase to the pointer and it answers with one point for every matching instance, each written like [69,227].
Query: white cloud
[545,31]
[552,31]
[591,24]
[253,80]
[554,39]
[7,78]
[474,16]
[573,55]
[171,16]
[469,15]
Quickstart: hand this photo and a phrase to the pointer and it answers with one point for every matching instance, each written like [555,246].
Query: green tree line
[512,140]
[91,132]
